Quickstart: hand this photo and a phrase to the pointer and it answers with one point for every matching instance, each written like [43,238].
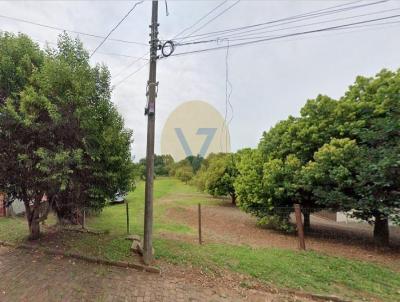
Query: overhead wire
[130,75]
[69,30]
[352,29]
[131,64]
[188,28]
[260,30]
[262,39]
[251,36]
[269,38]
[99,52]
[291,19]
[235,37]
[214,18]
[115,27]
[166,8]
[199,20]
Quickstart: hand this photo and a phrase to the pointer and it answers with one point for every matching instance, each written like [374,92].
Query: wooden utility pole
[150,111]
[300,228]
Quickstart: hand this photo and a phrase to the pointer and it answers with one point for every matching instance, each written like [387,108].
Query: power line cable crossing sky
[115,27]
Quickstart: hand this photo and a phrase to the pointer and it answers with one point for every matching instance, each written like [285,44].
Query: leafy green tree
[302,136]
[249,182]
[195,162]
[60,134]
[183,171]
[368,116]
[370,111]
[20,58]
[186,169]
[140,169]
[217,175]
[333,174]
[294,139]
[201,175]
[162,164]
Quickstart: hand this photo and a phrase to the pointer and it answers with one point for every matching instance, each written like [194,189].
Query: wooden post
[127,217]
[84,219]
[300,229]
[199,212]
[2,204]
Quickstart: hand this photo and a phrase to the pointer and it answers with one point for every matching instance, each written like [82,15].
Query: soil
[228,224]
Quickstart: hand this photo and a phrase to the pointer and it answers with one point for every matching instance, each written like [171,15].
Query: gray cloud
[270,80]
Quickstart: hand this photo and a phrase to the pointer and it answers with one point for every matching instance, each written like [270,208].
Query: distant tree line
[164,165]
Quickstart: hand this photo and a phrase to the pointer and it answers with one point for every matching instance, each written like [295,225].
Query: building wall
[344,217]
[16,208]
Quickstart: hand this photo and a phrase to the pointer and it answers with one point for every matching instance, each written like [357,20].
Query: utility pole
[150,111]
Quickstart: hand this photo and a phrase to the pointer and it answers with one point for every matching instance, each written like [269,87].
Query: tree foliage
[217,175]
[341,155]
[182,170]
[60,134]
[162,166]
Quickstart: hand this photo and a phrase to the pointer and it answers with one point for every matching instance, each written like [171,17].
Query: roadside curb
[139,267]
[317,297]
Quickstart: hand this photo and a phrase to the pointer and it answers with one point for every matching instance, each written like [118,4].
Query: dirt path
[36,277]
[230,225]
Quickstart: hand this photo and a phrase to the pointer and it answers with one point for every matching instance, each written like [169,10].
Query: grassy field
[309,271]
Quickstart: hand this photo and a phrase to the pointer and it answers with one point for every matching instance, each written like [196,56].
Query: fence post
[84,219]
[127,217]
[300,228]
[199,212]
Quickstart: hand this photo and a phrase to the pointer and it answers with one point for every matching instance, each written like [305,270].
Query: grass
[309,271]
[113,217]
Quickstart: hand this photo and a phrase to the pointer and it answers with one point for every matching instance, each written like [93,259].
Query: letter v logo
[208,132]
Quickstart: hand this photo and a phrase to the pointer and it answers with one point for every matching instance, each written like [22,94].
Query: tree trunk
[32,215]
[35,226]
[307,223]
[233,199]
[381,230]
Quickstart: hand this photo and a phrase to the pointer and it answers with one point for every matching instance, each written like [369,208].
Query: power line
[302,17]
[131,64]
[217,16]
[201,19]
[343,26]
[121,55]
[257,31]
[251,36]
[115,27]
[292,19]
[131,74]
[68,30]
[238,37]
[99,52]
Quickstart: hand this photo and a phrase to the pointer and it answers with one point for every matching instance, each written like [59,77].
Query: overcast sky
[270,80]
